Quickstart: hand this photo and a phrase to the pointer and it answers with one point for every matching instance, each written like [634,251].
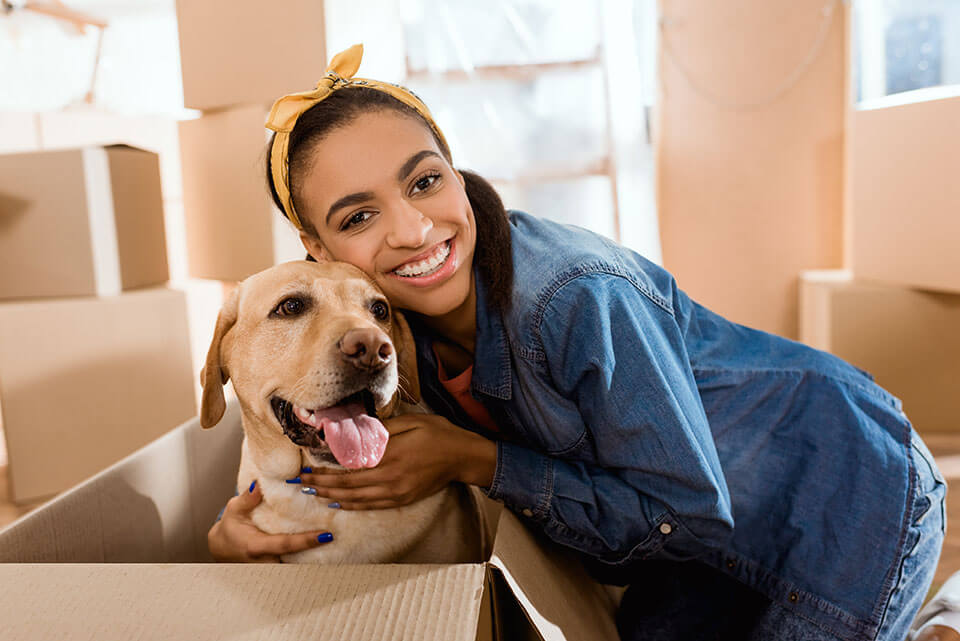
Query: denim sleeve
[654,487]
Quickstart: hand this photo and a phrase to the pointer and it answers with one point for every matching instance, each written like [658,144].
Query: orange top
[459,388]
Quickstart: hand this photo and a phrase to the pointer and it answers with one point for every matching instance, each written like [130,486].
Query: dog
[318,358]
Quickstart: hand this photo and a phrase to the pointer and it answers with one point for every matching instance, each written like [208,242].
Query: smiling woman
[574,381]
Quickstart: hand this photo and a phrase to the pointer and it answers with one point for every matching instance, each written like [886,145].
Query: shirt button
[666,528]
[527,512]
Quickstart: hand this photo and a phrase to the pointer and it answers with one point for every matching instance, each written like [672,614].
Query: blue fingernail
[326,537]
[334,505]
[308,490]
[296,480]
[306,470]
[252,485]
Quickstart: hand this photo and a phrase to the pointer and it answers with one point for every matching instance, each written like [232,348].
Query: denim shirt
[637,424]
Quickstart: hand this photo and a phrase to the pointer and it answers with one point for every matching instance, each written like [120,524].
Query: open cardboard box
[124,554]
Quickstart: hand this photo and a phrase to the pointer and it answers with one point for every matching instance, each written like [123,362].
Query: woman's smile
[430,267]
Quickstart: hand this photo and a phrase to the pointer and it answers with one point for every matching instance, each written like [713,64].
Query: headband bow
[286,110]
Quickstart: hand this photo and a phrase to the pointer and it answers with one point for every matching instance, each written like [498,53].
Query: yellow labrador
[317,358]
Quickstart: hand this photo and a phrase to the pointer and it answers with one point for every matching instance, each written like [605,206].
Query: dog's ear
[214,375]
[406,359]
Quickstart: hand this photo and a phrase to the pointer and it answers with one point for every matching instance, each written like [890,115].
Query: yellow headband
[285,112]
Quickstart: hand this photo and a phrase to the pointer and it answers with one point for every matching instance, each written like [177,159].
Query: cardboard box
[154,509]
[86,381]
[235,52]
[906,338]
[233,228]
[80,222]
[905,216]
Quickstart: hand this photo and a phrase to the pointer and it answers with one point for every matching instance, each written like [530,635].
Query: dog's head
[316,353]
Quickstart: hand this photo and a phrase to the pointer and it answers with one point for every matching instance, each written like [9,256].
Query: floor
[946,449]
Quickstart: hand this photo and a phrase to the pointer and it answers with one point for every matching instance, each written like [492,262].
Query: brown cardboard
[86,381]
[154,509]
[905,194]
[80,222]
[236,52]
[233,228]
[749,170]
[906,338]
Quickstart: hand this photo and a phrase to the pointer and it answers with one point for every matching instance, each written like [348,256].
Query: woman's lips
[442,273]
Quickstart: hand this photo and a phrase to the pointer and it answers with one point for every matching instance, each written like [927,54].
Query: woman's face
[382,197]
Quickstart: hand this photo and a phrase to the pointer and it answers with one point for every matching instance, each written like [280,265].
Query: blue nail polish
[252,485]
[306,470]
[334,505]
[326,537]
[308,490]
[296,480]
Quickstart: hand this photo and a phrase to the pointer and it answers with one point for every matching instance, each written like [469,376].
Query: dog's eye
[380,310]
[289,307]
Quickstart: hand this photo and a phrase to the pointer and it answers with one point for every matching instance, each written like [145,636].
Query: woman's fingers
[341,480]
[235,538]
[244,502]
[266,546]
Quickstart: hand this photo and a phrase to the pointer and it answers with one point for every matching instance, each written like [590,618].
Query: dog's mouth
[350,430]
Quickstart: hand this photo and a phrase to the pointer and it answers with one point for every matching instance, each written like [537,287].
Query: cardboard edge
[517,546]
[101,216]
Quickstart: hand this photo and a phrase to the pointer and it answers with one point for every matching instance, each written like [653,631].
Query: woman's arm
[656,488]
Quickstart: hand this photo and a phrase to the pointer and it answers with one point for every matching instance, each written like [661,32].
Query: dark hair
[492,256]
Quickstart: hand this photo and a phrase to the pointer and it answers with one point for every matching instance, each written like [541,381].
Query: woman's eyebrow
[346,201]
[412,162]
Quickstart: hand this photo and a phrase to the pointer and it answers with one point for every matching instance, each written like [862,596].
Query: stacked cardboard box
[906,338]
[154,509]
[896,312]
[233,228]
[94,350]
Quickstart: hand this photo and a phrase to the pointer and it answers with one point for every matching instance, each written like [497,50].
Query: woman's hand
[424,454]
[234,538]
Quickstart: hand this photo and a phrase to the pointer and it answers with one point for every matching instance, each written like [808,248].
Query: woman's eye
[289,307]
[425,183]
[380,310]
[356,219]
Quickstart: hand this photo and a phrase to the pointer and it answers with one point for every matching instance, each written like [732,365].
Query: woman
[743,485]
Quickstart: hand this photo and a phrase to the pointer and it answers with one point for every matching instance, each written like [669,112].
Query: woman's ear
[314,247]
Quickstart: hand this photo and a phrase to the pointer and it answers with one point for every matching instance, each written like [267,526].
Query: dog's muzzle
[354,434]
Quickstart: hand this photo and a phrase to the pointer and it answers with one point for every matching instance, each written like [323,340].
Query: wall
[750,151]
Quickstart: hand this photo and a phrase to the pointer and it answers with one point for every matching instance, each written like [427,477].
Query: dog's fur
[296,357]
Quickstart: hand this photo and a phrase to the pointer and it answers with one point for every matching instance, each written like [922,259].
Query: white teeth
[427,265]
[305,415]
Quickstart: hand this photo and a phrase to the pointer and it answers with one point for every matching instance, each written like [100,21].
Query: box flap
[239,601]
[561,600]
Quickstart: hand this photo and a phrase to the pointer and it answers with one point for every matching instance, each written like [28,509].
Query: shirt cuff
[523,480]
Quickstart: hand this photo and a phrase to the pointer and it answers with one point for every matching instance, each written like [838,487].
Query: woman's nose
[409,227]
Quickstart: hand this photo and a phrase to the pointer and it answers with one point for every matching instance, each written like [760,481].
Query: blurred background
[793,164]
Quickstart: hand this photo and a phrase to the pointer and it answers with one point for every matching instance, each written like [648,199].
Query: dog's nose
[366,348]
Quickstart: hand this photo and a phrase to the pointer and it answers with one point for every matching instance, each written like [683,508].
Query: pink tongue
[356,439]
